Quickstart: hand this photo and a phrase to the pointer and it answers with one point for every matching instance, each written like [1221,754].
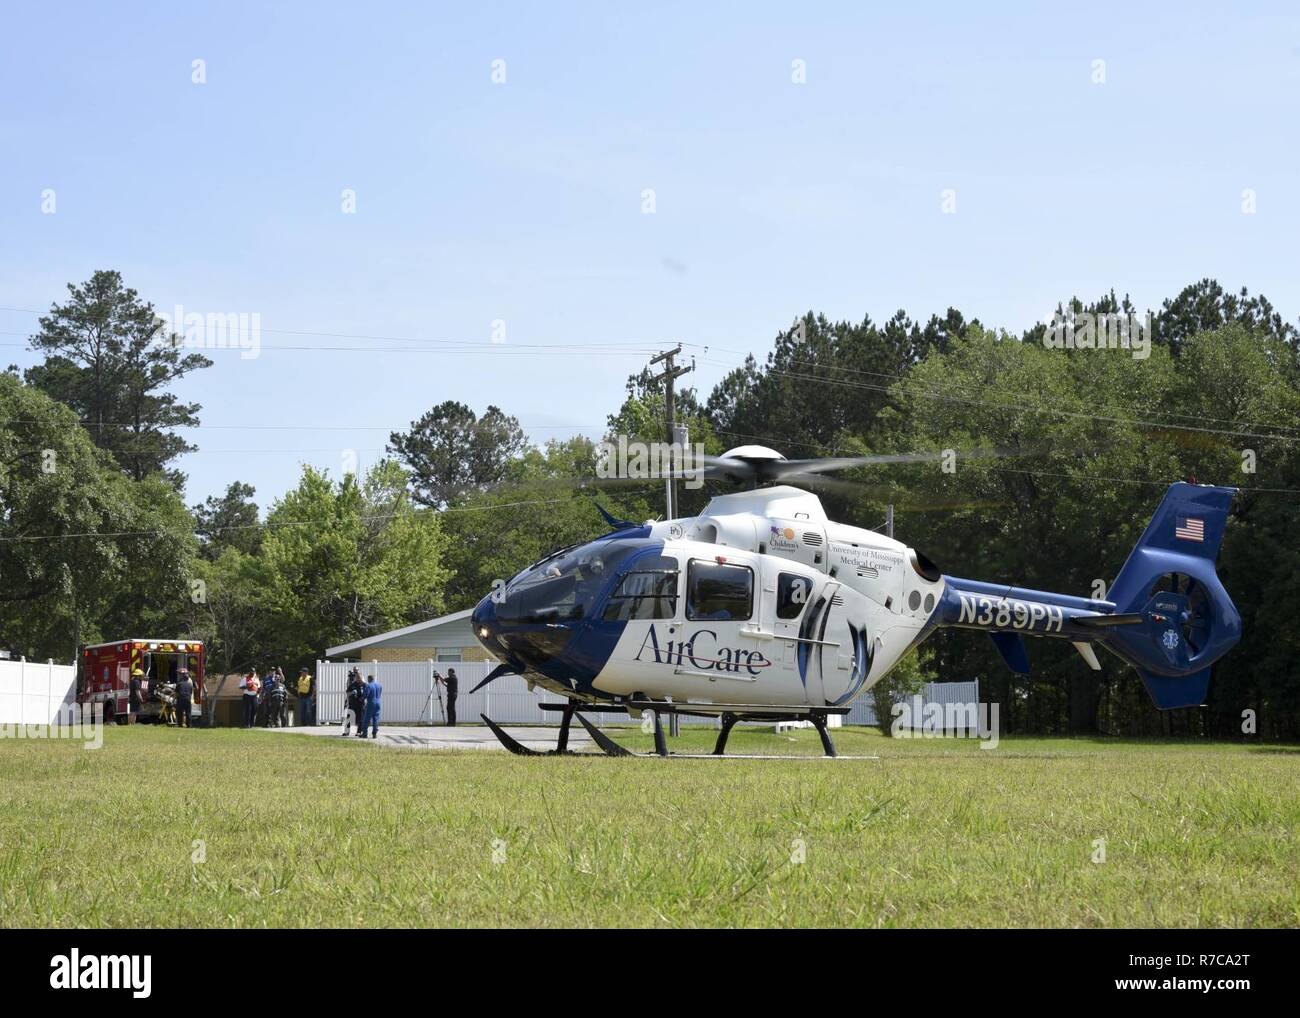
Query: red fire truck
[106,676]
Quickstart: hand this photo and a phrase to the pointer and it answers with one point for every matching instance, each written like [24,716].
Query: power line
[84,422]
[520,350]
[640,345]
[640,348]
[636,348]
[907,379]
[266,524]
[1078,414]
[1121,480]
[776,440]
[909,387]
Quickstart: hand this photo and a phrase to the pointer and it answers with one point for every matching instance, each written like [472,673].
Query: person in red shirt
[251,685]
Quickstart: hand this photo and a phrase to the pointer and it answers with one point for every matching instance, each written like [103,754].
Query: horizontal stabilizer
[1012,648]
[1106,621]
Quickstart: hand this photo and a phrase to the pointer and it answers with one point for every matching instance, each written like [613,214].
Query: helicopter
[761,608]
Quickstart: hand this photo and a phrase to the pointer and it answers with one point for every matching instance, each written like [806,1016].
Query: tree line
[96,540]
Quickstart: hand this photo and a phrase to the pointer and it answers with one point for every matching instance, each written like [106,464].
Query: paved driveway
[460,737]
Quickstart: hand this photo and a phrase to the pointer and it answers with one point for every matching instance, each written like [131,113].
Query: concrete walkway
[461,737]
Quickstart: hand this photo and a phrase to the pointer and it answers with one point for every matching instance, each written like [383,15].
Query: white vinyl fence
[32,694]
[943,693]
[410,696]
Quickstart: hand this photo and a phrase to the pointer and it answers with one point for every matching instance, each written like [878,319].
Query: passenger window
[719,592]
[648,591]
[792,594]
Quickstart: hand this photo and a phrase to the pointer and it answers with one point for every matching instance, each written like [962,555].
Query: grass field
[308,831]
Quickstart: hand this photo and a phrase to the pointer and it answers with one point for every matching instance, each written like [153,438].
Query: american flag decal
[1190,528]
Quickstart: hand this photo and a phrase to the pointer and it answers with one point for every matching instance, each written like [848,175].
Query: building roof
[394,634]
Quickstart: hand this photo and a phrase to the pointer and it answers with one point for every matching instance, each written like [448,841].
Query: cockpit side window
[647,591]
[562,588]
[793,592]
[719,592]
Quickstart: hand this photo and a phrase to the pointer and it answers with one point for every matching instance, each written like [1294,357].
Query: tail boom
[1169,616]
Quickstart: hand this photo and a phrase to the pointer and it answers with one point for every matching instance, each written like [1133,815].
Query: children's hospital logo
[783,538]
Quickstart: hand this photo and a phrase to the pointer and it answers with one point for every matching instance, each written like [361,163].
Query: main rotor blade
[758,470]
[903,500]
[785,468]
[766,470]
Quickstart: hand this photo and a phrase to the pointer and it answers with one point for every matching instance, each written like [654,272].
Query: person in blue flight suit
[371,720]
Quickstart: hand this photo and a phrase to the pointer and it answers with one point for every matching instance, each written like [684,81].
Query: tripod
[428,701]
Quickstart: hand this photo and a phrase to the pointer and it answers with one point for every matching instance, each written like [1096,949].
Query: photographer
[452,683]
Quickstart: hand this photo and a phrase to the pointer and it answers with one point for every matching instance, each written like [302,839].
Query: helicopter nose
[487,627]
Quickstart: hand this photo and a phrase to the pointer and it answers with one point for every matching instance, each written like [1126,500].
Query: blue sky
[522,202]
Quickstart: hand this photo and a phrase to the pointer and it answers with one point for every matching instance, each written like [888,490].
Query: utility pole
[889,520]
[668,376]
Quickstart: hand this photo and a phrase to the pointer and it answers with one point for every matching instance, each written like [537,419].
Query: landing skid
[607,746]
[519,749]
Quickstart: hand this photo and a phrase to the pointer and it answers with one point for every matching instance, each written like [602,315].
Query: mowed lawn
[308,831]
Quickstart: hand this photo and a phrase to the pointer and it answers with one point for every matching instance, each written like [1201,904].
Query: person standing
[268,697]
[371,719]
[306,698]
[356,703]
[133,695]
[453,684]
[275,699]
[251,685]
[184,697]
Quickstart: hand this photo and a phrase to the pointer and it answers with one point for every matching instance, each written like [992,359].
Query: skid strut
[728,723]
[507,740]
[519,749]
[819,722]
[562,743]
[607,746]
[661,744]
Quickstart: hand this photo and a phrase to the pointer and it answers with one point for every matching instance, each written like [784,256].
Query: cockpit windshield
[562,588]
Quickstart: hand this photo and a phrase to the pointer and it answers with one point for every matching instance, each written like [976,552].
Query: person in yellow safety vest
[306,698]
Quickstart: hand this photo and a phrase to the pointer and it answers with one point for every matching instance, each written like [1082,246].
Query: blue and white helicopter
[762,608]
